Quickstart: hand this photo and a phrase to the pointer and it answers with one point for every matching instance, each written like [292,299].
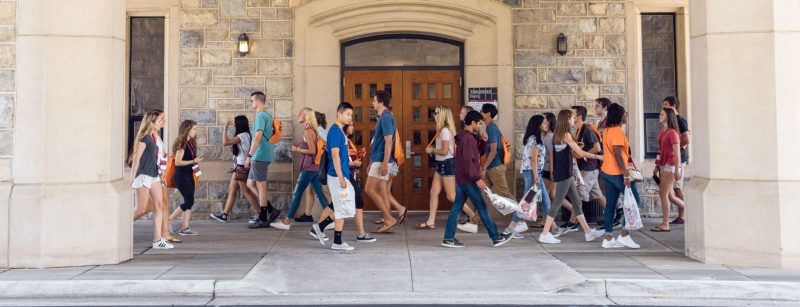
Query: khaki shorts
[375,171]
[592,186]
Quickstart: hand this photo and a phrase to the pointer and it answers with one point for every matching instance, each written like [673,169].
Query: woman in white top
[240,146]
[445,172]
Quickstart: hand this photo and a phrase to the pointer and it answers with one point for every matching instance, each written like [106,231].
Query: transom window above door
[398,52]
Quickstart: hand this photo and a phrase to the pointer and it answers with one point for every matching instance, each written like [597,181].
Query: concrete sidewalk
[227,263]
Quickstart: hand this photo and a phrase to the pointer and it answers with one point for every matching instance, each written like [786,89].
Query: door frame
[459,44]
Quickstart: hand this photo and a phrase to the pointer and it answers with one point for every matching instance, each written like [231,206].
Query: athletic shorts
[258,171]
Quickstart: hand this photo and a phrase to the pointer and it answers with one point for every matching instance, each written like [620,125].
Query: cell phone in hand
[656,179]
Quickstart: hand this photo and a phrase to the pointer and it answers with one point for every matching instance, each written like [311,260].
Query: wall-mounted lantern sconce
[561,44]
[244,44]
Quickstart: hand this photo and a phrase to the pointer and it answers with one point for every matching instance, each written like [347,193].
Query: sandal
[425,225]
[403,217]
[379,221]
[171,239]
[658,229]
[385,228]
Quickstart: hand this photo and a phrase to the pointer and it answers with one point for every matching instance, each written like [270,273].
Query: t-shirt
[445,135]
[666,139]
[266,150]
[495,137]
[587,136]
[385,126]
[323,134]
[526,155]
[683,126]
[244,148]
[614,136]
[149,159]
[336,139]
[548,144]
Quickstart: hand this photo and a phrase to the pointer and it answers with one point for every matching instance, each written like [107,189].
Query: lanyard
[191,148]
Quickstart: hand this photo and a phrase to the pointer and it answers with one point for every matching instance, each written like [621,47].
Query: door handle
[408,149]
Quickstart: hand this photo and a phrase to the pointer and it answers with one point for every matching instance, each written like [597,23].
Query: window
[146,81]
[659,71]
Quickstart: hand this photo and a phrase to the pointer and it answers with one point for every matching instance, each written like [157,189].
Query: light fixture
[244,44]
[561,44]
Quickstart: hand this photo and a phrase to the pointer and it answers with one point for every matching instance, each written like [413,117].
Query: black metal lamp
[244,44]
[561,44]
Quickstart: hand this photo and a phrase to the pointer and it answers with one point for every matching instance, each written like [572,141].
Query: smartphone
[656,179]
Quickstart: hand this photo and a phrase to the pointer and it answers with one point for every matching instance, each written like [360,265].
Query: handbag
[634,173]
[240,173]
[169,174]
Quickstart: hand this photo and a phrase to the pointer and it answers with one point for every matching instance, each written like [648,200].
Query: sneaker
[468,227]
[253,220]
[342,247]
[219,216]
[188,232]
[677,221]
[259,224]
[330,226]
[627,241]
[162,244]
[594,234]
[548,238]
[572,227]
[280,225]
[452,243]
[560,231]
[503,239]
[617,225]
[365,238]
[318,234]
[521,227]
[612,244]
[513,233]
[304,219]
[600,222]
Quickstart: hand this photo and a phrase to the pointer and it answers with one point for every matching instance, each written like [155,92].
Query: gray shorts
[591,190]
[258,171]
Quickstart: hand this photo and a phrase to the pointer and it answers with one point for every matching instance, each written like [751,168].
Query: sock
[269,206]
[337,237]
[325,223]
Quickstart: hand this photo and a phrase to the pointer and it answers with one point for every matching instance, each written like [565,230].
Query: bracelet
[627,177]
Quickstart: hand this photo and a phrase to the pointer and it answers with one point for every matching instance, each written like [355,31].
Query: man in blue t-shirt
[261,154]
[382,147]
[493,168]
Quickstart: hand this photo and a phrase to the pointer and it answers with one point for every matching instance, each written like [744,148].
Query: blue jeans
[614,188]
[474,193]
[527,178]
[306,178]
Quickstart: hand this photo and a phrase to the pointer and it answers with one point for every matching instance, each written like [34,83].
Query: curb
[703,289]
[105,288]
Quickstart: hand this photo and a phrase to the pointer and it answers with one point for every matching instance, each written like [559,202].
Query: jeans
[306,178]
[614,188]
[527,178]
[472,191]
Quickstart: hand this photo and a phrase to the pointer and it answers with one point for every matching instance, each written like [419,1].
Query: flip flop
[403,217]
[378,221]
[385,228]
[425,226]
[658,229]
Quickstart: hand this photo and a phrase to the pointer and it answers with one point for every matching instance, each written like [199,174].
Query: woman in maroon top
[668,164]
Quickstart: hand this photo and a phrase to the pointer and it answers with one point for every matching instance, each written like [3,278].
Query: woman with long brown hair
[444,175]
[668,165]
[145,178]
[561,169]
[186,164]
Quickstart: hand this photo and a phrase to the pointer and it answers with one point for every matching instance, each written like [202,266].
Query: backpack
[323,169]
[506,150]
[399,155]
[597,163]
[277,131]
[320,150]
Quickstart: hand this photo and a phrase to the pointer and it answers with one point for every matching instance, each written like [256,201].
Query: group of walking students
[564,157]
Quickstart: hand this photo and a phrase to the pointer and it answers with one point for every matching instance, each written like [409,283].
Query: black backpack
[323,168]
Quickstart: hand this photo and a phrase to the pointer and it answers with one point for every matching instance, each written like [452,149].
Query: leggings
[184,181]
[566,188]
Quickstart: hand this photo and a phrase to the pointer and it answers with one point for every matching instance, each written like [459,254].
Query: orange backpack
[169,174]
[277,131]
[320,150]
[399,155]
[506,150]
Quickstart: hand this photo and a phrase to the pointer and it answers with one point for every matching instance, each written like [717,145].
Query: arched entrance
[420,72]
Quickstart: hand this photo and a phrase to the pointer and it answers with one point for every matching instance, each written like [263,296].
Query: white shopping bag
[502,204]
[633,220]
[528,204]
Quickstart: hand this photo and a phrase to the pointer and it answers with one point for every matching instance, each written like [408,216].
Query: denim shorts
[446,168]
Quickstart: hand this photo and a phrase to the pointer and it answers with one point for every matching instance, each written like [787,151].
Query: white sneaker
[612,244]
[253,219]
[329,227]
[468,227]
[549,239]
[342,247]
[627,241]
[162,244]
[560,231]
[280,225]
[521,227]
[594,234]
[318,234]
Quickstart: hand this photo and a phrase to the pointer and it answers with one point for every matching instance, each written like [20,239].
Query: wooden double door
[415,94]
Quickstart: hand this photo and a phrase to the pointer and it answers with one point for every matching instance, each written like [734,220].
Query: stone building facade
[294,58]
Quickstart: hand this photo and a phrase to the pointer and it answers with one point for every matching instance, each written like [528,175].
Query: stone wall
[8,30]
[216,82]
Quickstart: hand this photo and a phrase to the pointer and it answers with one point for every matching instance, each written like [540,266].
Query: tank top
[307,161]
[188,155]
[562,162]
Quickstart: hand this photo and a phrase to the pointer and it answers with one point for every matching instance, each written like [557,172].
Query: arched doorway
[420,72]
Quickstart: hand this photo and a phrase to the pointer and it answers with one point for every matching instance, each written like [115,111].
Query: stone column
[69,205]
[743,202]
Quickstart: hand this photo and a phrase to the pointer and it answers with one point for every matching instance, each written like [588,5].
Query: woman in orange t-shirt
[614,173]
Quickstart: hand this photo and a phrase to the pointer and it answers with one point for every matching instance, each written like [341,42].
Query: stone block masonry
[8,59]
[216,82]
